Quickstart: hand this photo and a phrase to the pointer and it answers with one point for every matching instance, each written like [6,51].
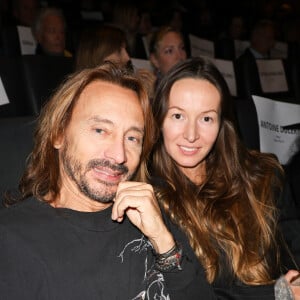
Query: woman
[99,44]
[126,15]
[213,187]
[166,49]
[109,43]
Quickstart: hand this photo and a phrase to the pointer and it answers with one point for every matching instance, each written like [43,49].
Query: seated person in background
[81,229]
[24,11]
[49,30]
[99,44]
[145,27]
[166,48]
[125,15]
[262,39]
[108,43]
[235,28]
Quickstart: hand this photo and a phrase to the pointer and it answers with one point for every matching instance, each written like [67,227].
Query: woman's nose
[191,132]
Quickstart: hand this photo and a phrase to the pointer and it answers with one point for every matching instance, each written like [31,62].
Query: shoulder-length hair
[236,192]
[97,43]
[158,35]
[42,175]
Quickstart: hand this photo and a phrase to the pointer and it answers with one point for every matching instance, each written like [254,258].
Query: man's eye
[134,139]
[169,51]
[99,130]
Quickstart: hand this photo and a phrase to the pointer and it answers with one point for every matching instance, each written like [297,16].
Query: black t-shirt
[50,253]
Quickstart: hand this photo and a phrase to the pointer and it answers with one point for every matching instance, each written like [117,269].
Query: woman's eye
[177,116]
[207,119]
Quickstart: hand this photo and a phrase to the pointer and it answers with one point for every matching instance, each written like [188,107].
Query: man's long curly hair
[42,176]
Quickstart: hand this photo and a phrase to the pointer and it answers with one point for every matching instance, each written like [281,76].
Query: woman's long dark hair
[231,214]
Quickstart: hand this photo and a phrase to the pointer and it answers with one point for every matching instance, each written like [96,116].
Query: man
[24,11]
[49,30]
[262,40]
[82,229]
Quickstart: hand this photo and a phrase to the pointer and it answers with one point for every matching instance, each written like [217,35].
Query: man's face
[52,36]
[103,142]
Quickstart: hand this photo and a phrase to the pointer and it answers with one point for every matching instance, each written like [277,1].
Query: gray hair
[43,13]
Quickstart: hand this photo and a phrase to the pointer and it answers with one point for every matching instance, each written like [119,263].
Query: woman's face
[191,124]
[171,50]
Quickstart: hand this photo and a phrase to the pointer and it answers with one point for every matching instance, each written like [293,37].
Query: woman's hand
[293,279]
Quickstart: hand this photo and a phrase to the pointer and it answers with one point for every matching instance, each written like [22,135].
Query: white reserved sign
[201,47]
[27,41]
[272,75]
[3,95]
[273,117]
[227,70]
[141,64]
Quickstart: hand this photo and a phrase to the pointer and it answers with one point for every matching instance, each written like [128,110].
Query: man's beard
[77,173]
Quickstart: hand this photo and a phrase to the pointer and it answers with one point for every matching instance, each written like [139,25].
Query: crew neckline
[92,221]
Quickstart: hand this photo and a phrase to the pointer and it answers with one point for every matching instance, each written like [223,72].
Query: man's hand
[138,202]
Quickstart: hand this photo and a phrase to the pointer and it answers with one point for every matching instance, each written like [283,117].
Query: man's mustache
[107,164]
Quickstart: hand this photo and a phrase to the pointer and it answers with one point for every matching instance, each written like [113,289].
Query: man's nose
[116,152]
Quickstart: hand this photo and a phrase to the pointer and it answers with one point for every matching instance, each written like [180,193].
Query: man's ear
[58,142]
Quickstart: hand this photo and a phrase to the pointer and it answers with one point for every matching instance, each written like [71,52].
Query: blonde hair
[158,35]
